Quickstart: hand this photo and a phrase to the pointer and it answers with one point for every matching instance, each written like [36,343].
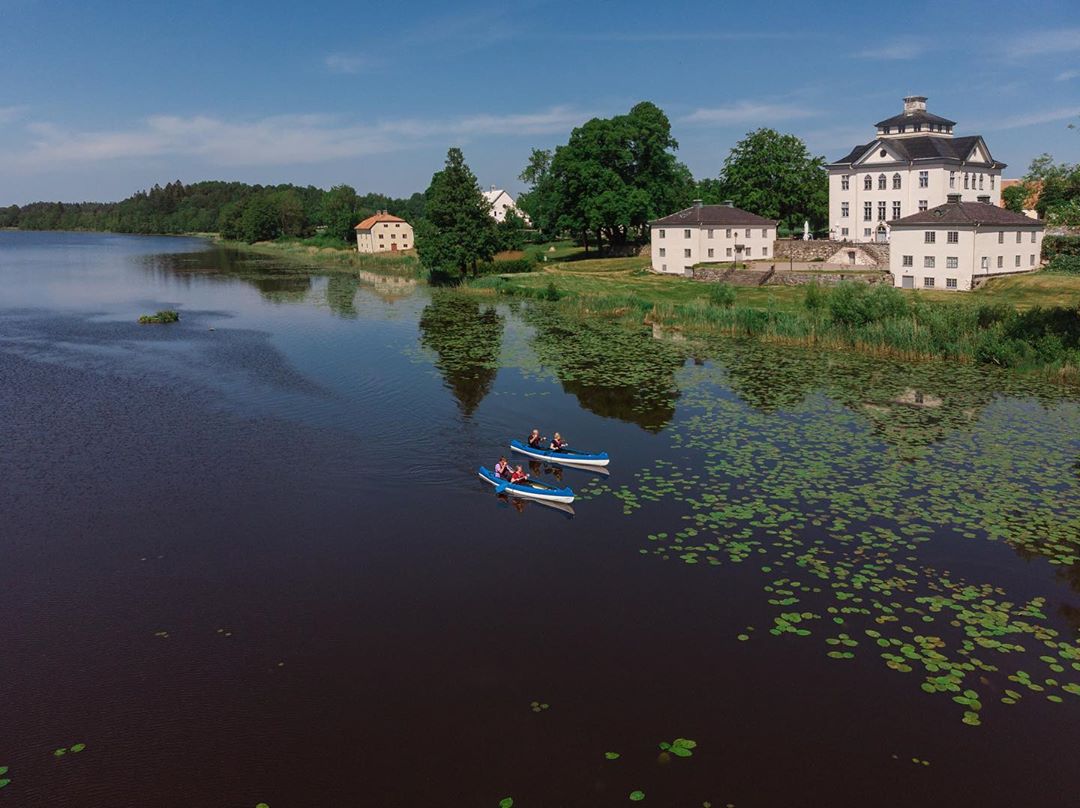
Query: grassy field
[332,259]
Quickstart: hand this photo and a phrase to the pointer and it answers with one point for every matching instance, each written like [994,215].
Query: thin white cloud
[277,140]
[347,63]
[1040,43]
[747,112]
[11,114]
[895,50]
[1067,75]
[1033,118]
[687,36]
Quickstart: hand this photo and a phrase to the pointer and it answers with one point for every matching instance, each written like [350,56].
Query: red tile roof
[371,221]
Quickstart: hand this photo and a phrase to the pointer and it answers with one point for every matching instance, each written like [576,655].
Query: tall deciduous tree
[458,232]
[610,179]
[773,175]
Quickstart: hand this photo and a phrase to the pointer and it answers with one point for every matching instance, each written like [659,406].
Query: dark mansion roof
[968,213]
[911,118]
[717,215]
[925,147]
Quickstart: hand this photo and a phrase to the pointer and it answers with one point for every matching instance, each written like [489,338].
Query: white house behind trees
[953,245]
[912,165]
[709,234]
[502,204]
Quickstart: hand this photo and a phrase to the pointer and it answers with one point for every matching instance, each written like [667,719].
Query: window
[881,211]
[748,232]
[868,183]
[952,179]
[765,251]
[765,233]
[981,176]
[881,182]
[663,233]
[896,210]
[985,262]
[924,179]
[710,252]
[1001,237]
[843,231]
[1019,235]
[928,262]
[845,182]
[901,129]
[867,211]
[953,237]
[922,205]
[728,233]
[686,234]
[663,252]
[1001,261]
[1018,260]
[686,253]
[950,283]
[866,232]
[908,261]
[710,232]
[883,153]
[729,252]
[380,235]
[397,224]
[929,237]
[952,262]
[896,182]
[928,283]
[1032,236]
[663,267]
[991,182]
[918,127]
[747,252]
[965,180]
[844,210]
[1031,261]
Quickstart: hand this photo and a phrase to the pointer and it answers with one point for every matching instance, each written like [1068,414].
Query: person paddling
[535,441]
[502,469]
[557,443]
[518,476]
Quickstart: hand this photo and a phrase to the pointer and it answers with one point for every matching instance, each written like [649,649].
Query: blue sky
[100,99]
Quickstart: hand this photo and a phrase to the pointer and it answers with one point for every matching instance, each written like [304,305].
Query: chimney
[727,203]
[985,199]
[914,103]
[954,198]
[697,203]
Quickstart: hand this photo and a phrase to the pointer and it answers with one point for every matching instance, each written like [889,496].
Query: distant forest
[233,209]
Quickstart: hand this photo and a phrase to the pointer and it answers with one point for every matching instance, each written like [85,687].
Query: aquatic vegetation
[506,802]
[612,755]
[637,796]
[538,707]
[680,747]
[162,317]
[4,779]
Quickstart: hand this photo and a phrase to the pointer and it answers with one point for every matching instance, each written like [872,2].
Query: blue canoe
[530,488]
[562,456]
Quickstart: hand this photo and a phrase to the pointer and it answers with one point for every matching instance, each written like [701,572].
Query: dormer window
[885,131]
[901,129]
[881,182]
[896,182]
[868,183]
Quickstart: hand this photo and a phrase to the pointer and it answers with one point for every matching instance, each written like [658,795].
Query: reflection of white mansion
[912,165]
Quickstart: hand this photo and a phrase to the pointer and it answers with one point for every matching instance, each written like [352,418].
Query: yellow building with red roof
[384,232]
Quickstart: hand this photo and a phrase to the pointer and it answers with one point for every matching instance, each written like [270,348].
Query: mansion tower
[913,164]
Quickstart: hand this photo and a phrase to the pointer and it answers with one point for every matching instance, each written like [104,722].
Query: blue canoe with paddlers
[566,455]
[533,489]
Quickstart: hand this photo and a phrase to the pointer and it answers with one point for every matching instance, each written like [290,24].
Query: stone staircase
[748,277]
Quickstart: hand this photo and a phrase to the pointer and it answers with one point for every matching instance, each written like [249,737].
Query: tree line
[236,210]
[1055,187]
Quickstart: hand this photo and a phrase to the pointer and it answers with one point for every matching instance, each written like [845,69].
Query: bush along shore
[163,317]
[877,320]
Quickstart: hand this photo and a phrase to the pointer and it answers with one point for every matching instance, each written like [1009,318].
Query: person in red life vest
[518,476]
[502,469]
[557,443]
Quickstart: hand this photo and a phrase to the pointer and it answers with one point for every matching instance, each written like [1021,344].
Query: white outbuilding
[703,234]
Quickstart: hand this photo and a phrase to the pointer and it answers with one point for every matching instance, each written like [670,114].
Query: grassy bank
[1024,321]
[331,258]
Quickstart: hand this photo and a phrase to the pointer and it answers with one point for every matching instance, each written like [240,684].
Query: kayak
[542,492]
[561,456]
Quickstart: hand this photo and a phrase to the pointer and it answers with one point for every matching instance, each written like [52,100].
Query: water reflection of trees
[467,341]
[612,370]
[341,292]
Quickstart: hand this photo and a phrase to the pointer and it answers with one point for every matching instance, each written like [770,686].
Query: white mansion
[912,165]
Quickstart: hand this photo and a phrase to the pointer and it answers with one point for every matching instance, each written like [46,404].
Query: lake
[245,558]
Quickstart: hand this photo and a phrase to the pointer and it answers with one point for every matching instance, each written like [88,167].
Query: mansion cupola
[915,121]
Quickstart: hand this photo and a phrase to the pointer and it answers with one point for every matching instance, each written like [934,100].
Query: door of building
[882,236]
[908,281]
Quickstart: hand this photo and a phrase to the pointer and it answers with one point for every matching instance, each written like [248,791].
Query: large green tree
[340,211]
[775,176]
[458,232]
[609,179]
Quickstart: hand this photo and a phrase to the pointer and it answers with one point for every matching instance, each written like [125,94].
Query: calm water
[245,558]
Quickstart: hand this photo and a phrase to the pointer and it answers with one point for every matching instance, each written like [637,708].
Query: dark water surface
[245,558]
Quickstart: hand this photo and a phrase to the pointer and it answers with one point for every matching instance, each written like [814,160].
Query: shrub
[1060,245]
[1065,264]
[722,295]
[846,304]
[551,292]
[816,298]
[164,316]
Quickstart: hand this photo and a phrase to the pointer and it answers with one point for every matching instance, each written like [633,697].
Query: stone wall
[784,278]
[826,251]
